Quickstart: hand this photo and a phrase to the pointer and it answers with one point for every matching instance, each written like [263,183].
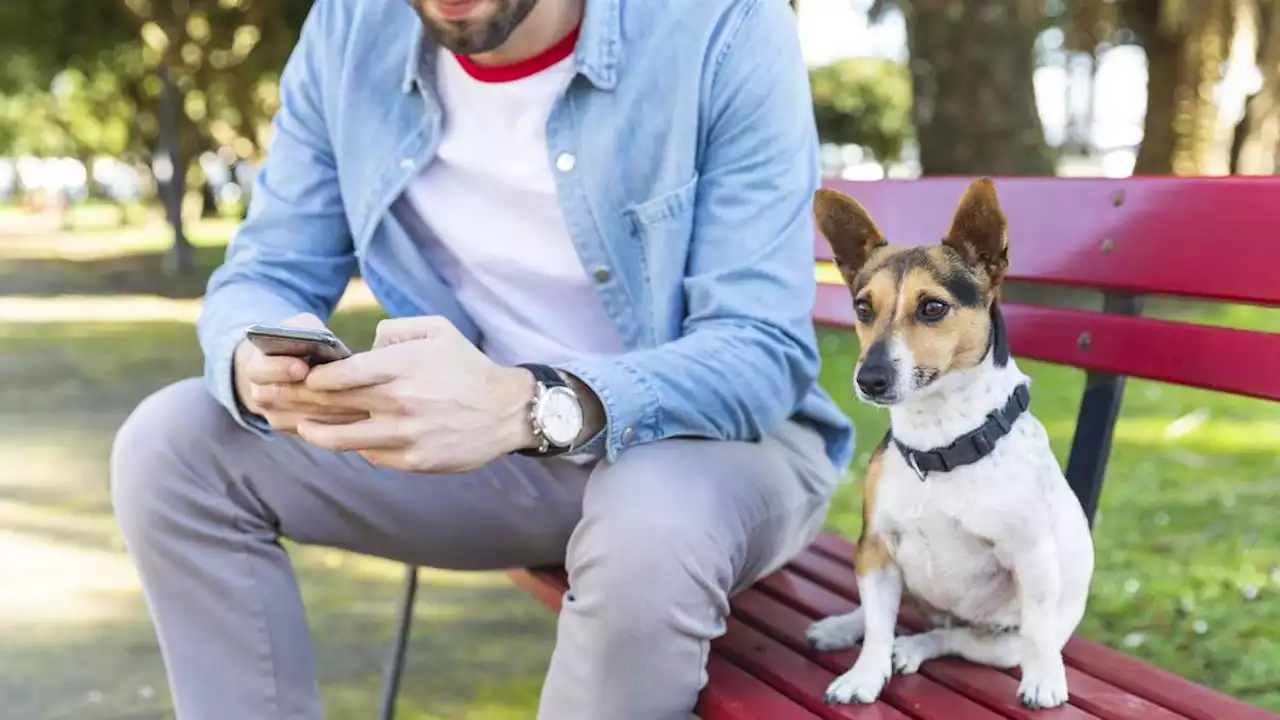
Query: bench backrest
[1207,238]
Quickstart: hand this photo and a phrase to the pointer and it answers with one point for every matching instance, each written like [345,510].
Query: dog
[966,514]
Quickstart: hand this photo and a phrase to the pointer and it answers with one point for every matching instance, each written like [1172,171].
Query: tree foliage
[223,55]
[863,101]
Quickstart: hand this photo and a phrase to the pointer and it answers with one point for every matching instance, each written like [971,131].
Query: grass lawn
[1188,570]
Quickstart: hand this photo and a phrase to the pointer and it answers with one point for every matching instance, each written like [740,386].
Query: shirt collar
[596,57]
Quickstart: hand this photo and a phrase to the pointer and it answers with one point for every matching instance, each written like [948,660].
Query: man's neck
[547,23]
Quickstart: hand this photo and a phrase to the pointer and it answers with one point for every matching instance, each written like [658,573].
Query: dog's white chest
[943,565]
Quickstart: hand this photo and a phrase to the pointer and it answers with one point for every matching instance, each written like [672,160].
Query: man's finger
[268,369]
[398,330]
[319,412]
[299,397]
[359,370]
[391,459]
[287,421]
[373,434]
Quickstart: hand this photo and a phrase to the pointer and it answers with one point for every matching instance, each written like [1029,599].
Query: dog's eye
[864,311]
[932,310]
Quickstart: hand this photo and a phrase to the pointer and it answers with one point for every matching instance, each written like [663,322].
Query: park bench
[1209,239]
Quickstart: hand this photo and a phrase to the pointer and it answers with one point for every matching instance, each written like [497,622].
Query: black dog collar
[972,446]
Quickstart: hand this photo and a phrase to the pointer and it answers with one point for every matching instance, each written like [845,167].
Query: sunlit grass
[103,242]
[90,309]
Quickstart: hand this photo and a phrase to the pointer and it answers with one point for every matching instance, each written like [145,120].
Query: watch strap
[544,374]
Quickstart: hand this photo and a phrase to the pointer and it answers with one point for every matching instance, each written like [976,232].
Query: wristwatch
[556,413]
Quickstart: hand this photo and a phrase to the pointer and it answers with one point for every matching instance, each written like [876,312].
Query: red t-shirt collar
[562,49]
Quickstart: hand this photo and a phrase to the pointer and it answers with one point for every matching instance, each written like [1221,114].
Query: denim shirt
[685,157]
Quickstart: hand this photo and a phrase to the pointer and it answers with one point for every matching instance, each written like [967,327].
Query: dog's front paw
[1043,688]
[862,684]
[838,632]
[910,651]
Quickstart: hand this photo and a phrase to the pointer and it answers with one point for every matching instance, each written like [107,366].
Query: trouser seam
[260,619]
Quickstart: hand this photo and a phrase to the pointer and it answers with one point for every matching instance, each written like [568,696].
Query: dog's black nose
[873,380]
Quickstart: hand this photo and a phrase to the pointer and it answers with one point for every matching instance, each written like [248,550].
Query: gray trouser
[655,544]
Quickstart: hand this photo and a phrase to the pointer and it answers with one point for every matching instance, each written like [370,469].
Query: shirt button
[406,163]
[628,436]
[565,162]
[602,274]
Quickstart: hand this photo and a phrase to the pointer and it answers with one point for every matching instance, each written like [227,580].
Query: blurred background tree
[153,82]
[866,102]
[972,65]
[181,92]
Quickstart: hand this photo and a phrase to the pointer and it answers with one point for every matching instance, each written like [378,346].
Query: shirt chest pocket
[662,229]
[664,226]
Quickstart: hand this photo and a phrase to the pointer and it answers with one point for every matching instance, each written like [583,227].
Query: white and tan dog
[966,513]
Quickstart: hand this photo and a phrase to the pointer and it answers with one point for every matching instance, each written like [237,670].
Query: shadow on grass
[78,642]
[141,273]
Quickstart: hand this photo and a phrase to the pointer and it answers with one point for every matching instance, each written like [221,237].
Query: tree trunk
[1239,136]
[208,200]
[974,102]
[1185,52]
[1259,130]
[1165,71]
[174,185]
[1211,41]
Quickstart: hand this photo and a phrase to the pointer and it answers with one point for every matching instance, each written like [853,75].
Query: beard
[482,32]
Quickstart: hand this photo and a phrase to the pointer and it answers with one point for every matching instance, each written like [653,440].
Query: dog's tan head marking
[922,311]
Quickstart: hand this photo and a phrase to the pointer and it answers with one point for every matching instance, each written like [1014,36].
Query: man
[593,213]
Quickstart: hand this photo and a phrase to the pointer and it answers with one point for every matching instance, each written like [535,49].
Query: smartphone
[317,347]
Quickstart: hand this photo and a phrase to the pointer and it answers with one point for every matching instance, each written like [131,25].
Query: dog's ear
[848,227]
[979,230]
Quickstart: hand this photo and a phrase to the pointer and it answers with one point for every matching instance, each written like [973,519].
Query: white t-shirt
[489,198]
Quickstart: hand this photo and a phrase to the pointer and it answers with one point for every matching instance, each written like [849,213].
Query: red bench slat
[1223,359]
[730,694]
[1099,696]
[733,694]
[799,678]
[1192,237]
[1125,672]
[984,685]
[916,695]
[1092,695]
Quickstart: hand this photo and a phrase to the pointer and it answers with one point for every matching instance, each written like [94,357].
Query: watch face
[560,416]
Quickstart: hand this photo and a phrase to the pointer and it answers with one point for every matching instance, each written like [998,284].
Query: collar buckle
[914,464]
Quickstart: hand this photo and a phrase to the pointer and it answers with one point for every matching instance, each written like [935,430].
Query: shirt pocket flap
[663,207]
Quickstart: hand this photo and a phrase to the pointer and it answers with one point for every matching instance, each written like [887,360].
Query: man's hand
[265,383]
[436,403]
